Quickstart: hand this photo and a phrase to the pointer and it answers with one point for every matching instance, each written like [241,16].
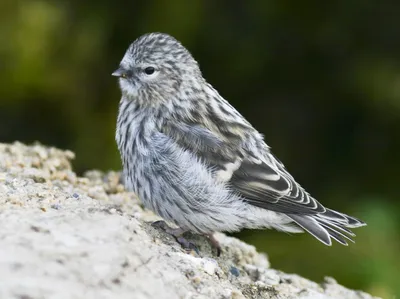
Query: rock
[64,236]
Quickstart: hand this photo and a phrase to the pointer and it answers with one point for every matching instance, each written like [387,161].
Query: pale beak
[120,73]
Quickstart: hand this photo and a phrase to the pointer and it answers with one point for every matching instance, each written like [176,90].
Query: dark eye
[149,70]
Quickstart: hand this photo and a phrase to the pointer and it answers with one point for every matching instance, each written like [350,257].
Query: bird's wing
[205,144]
[265,183]
[248,167]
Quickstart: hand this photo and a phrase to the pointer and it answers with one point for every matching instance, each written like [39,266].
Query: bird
[195,161]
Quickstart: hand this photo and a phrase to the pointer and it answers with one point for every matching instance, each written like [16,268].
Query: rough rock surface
[64,236]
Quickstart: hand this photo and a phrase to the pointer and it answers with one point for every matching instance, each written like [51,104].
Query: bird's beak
[119,73]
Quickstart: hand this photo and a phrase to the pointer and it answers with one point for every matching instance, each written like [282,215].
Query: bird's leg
[214,243]
[177,234]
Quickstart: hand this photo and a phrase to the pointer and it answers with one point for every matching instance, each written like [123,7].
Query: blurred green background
[320,80]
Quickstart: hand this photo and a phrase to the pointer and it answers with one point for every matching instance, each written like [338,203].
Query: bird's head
[155,67]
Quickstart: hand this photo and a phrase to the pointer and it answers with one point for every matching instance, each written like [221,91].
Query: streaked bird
[194,160]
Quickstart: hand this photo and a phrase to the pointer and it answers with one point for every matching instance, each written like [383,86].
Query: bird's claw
[160,224]
[214,243]
[187,245]
[177,234]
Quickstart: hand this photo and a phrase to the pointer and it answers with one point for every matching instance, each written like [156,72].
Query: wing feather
[272,187]
[247,165]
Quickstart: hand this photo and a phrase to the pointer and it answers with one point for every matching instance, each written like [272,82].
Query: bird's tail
[329,225]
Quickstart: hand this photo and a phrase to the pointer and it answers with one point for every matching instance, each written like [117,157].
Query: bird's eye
[149,70]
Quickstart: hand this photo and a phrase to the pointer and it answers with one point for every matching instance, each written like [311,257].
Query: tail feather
[334,225]
[348,221]
[327,225]
[337,235]
[312,226]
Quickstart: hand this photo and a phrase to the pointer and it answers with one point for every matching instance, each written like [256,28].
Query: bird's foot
[214,243]
[177,234]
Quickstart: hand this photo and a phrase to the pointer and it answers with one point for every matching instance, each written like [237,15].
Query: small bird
[195,161]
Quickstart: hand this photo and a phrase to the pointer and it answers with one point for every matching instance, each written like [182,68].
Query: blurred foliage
[321,81]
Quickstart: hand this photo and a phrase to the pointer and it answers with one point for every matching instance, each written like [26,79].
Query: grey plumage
[195,161]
